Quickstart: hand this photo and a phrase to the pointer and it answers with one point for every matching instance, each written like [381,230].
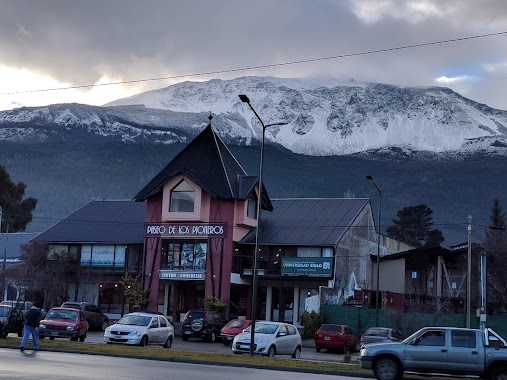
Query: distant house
[10,257]
[433,279]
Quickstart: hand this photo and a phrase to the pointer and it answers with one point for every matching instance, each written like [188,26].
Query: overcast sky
[48,44]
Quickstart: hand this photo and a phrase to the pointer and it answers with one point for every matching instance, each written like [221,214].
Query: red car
[332,337]
[62,322]
[233,328]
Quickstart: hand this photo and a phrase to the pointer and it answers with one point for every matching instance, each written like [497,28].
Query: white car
[270,338]
[141,329]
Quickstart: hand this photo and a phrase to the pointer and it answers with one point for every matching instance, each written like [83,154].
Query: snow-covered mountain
[325,117]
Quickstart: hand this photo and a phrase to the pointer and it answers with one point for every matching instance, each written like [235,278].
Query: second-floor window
[182,198]
[251,207]
[185,254]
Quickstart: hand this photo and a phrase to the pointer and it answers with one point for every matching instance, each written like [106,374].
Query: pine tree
[414,227]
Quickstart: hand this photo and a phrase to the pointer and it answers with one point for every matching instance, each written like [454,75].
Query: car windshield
[4,311]
[62,314]
[377,332]
[135,320]
[264,328]
[235,323]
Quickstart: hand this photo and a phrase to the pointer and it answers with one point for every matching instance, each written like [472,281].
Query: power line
[249,68]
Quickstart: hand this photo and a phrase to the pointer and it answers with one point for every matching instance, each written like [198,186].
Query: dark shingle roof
[307,222]
[207,161]
[100,221]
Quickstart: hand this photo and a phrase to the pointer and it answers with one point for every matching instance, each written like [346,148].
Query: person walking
[32,319]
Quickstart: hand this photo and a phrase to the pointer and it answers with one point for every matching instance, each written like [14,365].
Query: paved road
[60,365]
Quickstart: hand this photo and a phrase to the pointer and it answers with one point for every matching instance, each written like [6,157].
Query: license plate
[187,332]
[117,336]
[244,346]
[55,333]
[327,338]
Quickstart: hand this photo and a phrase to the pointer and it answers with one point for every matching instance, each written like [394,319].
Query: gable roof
[207,161]
[307,221]
[100,221]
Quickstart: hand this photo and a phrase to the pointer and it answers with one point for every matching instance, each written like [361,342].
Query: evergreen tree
[16,211]
[414,227]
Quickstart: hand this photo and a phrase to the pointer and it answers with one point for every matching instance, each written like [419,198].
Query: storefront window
[110,297]
[185,254]
[103,255]
[182,198]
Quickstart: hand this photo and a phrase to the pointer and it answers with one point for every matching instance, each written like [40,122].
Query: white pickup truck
[439,351]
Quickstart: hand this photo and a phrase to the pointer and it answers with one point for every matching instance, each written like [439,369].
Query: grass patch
[193,356]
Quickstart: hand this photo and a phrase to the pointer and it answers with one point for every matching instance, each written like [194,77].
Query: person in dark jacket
[32,319]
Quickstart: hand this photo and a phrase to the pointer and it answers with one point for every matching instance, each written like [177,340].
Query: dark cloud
[77,42]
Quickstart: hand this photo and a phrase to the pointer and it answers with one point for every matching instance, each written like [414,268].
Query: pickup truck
[439,351]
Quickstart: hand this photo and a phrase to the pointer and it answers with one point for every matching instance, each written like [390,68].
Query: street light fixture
[245,99]
[377,301]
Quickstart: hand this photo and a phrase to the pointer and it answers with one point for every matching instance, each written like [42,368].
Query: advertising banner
[307,266]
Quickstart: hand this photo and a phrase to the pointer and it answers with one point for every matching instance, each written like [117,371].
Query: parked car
[202,324]
[95,317]
[140,328]
[331,337]
[23,305]
[233,328]
[380,334]
[11,321]
[270,339]
[62,322]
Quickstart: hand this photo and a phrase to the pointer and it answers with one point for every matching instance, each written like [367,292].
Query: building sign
[307,266]
[184,230]
[103,255]
[181,275]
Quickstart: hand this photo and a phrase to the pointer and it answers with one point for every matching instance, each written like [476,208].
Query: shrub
[311,322]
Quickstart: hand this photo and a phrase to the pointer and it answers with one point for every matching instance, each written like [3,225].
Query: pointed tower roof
[207,161]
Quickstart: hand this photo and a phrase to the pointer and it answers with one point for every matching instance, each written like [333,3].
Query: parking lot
[197,345]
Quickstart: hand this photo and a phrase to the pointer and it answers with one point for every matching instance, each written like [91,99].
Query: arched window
[182,198]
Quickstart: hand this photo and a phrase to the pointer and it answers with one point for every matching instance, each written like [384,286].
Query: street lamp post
[377,300]
[245,99]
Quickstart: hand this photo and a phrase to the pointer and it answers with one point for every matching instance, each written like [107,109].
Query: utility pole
[469,270]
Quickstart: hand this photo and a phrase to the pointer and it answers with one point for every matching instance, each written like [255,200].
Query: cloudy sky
[48,44]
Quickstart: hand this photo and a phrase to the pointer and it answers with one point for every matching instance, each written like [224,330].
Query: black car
[202,324]
[11,321]
[94,316]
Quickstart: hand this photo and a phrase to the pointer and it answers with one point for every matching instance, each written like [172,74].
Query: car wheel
[144,341]
[185,338]
[499,373]
[272,351]
[104,326]
[169,342]
[297,353]
[82,337]
[213,337]
[51,338]
[387,369]
[75,338]
[41,337]
[318,348]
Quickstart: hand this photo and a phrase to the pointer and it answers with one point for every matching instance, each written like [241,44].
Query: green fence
[361,318]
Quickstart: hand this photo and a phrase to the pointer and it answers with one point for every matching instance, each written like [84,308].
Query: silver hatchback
[270,339]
